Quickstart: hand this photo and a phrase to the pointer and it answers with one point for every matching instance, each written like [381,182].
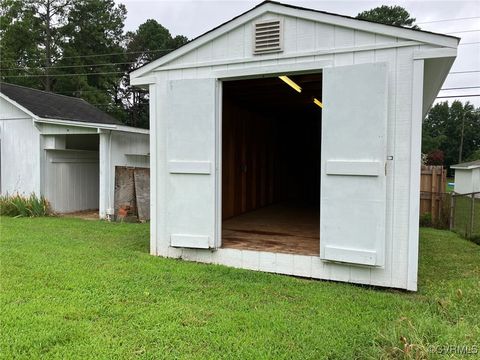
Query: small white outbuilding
[65,149]
[467,177]
[287,140]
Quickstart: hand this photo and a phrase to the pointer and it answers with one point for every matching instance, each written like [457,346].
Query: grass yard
[76,289]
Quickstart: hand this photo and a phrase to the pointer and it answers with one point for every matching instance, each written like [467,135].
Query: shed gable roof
[304,13]
[467,165]
[54,106]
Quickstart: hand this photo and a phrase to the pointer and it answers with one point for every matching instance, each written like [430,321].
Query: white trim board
[282,56]
[415,162]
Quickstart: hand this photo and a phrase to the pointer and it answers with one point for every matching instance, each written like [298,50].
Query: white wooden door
[353,175]
[191,117]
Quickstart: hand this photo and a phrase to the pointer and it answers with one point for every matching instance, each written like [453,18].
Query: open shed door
[353,171]
[191,113]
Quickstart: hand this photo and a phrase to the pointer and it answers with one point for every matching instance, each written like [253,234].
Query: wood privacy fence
[432,193]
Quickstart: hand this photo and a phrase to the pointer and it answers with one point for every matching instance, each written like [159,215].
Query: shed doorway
[271,139]
[72,173]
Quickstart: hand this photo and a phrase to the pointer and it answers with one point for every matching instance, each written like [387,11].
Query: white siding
[476,180]
[306,41]
[467,181]
[20,151]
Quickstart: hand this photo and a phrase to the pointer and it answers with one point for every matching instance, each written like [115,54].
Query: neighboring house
[467,177]
[64,149]
[250,171]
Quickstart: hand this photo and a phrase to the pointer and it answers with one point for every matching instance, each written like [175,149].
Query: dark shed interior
[271,136]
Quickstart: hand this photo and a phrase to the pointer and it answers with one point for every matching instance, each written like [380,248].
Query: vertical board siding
[20,152]
[72,180]
[302,36]
[299,36]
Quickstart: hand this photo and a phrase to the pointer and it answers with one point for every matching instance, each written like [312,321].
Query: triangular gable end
[237,33]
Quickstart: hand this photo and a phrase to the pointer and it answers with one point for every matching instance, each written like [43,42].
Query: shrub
[24,206]
[435,157]
[426,220]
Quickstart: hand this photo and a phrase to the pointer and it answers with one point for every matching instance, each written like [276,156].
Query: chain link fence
[465,215]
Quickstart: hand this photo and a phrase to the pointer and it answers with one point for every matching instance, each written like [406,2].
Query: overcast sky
[193,18]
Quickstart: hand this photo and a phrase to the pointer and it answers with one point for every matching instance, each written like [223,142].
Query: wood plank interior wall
[247,161]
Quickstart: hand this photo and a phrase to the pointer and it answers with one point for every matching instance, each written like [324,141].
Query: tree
[79,48]
[31,39]
[454,129]
[94,55]
[51,15]
[391,15]
[148,43]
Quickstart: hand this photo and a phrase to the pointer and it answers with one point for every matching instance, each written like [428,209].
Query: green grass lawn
[87,289]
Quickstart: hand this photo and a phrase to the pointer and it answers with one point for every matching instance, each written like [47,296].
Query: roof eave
[136,76]
[470,167]
[92,125]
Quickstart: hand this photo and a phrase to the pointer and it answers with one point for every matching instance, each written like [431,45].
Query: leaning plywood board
[124,198]
[142,191]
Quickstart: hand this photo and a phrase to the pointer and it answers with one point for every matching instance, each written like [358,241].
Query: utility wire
[68,66]
[457,96]
[464,31]
[56,75]
[121,72]
[464,72]
[461,88]
[108,54]
[436,21]
[469,43]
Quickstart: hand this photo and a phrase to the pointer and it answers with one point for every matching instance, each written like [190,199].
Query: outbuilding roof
[327,17]
[467,165]
[47,105]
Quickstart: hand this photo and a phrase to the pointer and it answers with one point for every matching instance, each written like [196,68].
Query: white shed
[467,177]
[64,149]
[287,140]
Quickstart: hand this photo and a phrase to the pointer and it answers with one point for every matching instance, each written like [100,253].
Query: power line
[68,66]
[436,21]
[118,53]
[457,96]
[464,31]
[461,88]
[469,43]
[56,75]
[464,72]
[115,53]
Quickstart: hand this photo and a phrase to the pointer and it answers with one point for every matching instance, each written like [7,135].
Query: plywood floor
[276,228]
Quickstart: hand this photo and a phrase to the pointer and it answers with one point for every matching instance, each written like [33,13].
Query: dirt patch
[85,215]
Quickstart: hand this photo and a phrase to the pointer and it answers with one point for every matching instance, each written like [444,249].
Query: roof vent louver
[267,37]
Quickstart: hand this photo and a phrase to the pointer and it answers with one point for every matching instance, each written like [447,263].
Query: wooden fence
[432,192]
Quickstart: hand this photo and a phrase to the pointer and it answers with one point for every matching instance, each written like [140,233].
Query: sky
[193,18]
